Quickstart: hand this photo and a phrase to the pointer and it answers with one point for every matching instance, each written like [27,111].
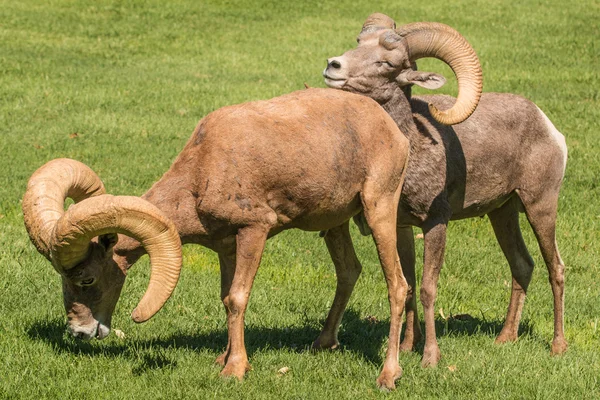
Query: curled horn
[376,22]
[431,39]
[64,237]
[47,190]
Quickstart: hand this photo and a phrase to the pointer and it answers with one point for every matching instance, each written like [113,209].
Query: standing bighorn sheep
[506,158]
[311,160]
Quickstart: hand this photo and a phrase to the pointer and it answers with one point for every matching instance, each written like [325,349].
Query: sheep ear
[427,80]
[108,240]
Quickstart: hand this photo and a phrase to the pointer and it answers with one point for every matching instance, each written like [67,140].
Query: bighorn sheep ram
[311,160]
[505,159]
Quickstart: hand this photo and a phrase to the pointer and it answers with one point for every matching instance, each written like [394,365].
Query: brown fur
[504,159]
[311,160]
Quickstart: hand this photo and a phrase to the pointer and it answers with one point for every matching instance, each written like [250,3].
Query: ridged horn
[376,22]
[44,199]
[131,216]
[432,39]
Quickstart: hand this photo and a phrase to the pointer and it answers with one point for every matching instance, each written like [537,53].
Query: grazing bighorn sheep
[311,160]
[506,158]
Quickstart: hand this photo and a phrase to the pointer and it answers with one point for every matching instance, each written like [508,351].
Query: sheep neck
[398,107]
[425,173]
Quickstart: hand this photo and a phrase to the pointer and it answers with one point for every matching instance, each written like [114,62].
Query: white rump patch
[560,139]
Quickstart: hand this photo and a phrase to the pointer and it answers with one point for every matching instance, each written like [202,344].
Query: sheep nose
[83,332]
[77,335]
[334,64]
[80,335]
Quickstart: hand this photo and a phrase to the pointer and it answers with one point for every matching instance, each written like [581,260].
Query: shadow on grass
[363,336]
[464,324]
[358,334]
[148,362]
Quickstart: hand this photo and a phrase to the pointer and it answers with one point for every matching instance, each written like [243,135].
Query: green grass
[131,79]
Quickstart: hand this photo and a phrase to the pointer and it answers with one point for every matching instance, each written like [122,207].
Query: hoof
[506,338]
[559,346]
[411,337]
[319,345]
[431,358]
[408,344]
[388,377]
[236,370]
[221,359]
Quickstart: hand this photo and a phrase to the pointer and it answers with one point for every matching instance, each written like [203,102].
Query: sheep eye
[87,282]
[386,63]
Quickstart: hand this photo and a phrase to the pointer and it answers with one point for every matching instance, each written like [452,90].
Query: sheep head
[384,61]
[80,244]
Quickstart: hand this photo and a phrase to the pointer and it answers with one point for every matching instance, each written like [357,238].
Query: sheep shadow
[358,334]
[361,335]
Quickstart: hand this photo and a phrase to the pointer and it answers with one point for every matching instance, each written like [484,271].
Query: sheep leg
[541,213]
[250,245]
[227,265]
[406,251]
[347,270]
[434,237]
[505,221]
[381,218]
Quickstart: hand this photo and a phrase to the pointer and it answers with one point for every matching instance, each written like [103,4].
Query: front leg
[250,245]
[227,265]
[347,270]
[433,257]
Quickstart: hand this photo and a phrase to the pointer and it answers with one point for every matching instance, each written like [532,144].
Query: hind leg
[227,265]
[541,213]
[406,251]
[347,270]
[381,218]
[505,221]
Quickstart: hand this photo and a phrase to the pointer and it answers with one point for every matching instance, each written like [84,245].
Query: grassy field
[120,85]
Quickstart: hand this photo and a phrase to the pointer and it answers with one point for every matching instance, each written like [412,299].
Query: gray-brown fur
[312,160]
[503,159]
